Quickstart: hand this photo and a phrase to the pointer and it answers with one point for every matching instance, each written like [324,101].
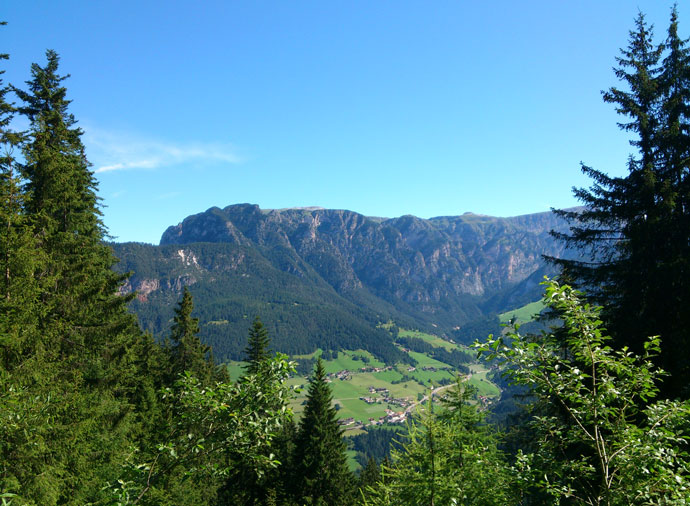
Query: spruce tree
[257,346]
[85,341]
[63,206]
[188,352]
[369,478]
[634,232]
[322,476]
[244,486]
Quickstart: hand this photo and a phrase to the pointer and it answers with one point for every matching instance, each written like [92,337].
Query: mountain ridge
[442,272]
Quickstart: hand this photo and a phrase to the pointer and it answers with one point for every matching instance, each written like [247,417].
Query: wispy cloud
[169,195]
[110,151]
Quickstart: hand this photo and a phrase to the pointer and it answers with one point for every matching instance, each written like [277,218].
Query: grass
[434,376]
[360,410]
[352,462]
[314,354]
[351,360]
[347,393]
[388,376]
[434,341]
[483,385]
[523,314]
[426,361]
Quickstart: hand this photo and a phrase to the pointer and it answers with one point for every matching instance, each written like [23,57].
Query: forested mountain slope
[322,277]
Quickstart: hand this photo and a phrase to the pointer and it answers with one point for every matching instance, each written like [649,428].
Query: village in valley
[382,396]
[368,392]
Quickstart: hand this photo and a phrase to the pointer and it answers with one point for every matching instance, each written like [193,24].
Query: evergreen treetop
[60,185]
[188,352]
[321,472]
[257,346]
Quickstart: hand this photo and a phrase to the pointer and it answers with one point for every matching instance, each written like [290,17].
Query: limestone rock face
[427,264]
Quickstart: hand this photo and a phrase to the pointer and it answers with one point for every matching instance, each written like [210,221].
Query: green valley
[369,392]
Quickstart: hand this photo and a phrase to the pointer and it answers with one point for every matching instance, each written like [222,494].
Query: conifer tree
[85,342]
[257,346]
[369,478]
[244,486]
[63,206]
[635,230]
[188,352]
[321,473]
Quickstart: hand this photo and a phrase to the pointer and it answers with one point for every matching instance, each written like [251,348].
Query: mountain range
[327,278]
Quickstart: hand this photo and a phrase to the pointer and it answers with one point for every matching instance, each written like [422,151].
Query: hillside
[325,278]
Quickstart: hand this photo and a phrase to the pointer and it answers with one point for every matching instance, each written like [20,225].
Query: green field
[314,354]
[389,376]
[483,385]
[434,341]
[352,462]
[523,314]
[426,361]
[352,361]
[347,392]
[432,376]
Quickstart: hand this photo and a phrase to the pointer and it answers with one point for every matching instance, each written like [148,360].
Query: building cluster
[390,417]
[385,398]
[375,369]
[346,374]
[343,375]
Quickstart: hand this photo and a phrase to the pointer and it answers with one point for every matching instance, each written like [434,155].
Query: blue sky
[384,108]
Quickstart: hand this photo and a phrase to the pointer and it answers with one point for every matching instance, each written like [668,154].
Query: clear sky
[386,108]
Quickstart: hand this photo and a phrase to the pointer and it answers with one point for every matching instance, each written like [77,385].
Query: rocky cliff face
[420,262]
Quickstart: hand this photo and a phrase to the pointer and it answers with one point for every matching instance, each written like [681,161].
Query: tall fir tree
[635,230]
[257,346]
[321,476]
[85,340]
[188,352]
[244,486]
[369,478]
[62,202]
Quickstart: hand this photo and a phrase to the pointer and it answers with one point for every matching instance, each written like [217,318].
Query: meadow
[523,314]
